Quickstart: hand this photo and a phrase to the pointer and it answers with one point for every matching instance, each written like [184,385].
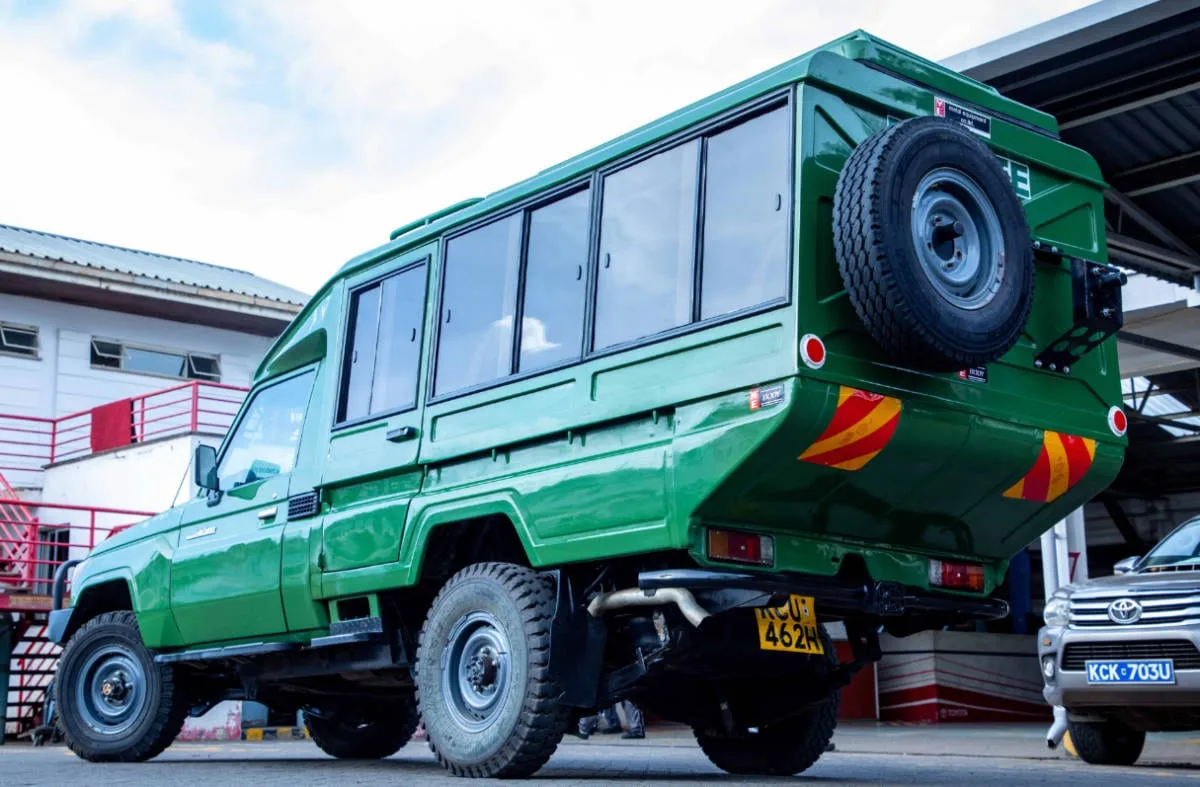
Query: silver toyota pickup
[1122,653]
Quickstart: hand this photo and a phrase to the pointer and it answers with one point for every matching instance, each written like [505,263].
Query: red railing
[34,544]
[28,443]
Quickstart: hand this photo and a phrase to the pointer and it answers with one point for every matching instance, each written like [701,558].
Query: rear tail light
[959,576]
[733,547]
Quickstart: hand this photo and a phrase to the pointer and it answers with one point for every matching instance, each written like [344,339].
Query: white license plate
[1140,671]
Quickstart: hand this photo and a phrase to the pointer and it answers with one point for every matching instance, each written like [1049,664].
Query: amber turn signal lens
[734,547]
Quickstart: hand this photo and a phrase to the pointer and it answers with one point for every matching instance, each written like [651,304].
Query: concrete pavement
[976,755]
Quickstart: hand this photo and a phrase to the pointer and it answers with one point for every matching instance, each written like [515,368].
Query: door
[225,572]
[371,471]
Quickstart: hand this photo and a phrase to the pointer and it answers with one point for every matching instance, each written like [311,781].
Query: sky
[286,136]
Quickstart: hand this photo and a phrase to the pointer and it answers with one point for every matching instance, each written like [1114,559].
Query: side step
[232,651]
[349,632]
[344,632]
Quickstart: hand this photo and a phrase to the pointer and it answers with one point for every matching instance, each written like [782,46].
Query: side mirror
[1125,566]
[204,467]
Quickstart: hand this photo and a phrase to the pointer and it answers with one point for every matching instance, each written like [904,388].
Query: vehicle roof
[858,45]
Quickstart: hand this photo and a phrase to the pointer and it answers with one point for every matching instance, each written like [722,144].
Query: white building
[83,324]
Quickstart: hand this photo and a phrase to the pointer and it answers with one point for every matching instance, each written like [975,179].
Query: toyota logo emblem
[1124,611]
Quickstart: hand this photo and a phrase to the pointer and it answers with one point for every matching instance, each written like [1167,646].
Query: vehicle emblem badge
[1125,611]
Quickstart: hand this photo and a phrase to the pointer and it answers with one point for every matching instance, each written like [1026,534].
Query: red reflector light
[734,547]
[960,576]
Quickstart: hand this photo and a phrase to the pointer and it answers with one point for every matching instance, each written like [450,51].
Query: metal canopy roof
[1123,79]
[143,264]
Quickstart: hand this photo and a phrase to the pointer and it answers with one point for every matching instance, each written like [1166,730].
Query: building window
[478,302]
[109,354]
[384,347]
[646,247]
[18,340]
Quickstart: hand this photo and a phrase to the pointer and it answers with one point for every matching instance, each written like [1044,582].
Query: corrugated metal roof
[176,270]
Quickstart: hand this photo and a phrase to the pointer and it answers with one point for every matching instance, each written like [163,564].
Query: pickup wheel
[114,703]
[366,734]
[484,689]
[1107,742]
[933,246]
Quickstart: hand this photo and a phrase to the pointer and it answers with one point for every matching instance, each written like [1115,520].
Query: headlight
[1055,613]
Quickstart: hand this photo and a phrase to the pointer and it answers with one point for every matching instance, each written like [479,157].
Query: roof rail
[432,217]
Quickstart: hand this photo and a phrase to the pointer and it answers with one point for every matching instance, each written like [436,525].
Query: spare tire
[933,246]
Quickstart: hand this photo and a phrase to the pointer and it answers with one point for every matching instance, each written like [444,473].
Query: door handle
[400,434]
[268,513]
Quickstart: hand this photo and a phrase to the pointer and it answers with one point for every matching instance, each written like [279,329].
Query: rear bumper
[835,597]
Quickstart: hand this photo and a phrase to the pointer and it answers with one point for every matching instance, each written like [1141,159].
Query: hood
[1143,582]
[156,524]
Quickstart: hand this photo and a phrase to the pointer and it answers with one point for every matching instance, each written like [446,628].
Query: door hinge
[321,560]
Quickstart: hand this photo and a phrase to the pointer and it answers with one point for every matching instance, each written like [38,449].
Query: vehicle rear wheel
[484,689]
[1107,742]
[113,702]
[933,246]
[782,749]
[365,734]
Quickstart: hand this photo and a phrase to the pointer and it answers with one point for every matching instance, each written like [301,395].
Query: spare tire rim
[475,671]
[958,240]
[111,692]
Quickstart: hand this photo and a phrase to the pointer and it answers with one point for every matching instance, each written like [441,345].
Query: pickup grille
[1159,608]
[303,505]
[1182,652]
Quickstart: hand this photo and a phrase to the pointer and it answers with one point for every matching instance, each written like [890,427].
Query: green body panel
[637,452]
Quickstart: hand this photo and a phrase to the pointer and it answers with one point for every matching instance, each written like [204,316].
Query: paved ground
[975,756]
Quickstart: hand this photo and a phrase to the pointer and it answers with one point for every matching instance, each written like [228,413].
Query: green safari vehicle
[830,345]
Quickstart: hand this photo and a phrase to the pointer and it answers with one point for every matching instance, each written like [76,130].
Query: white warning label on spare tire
[969,119]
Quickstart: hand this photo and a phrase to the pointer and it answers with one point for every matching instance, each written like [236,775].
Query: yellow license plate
[791,628]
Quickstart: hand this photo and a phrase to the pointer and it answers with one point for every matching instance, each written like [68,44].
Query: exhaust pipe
[1058,729]
[635,597]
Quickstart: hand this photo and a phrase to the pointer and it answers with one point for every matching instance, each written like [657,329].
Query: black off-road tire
[784,749]
[1107,742]
[160,716]
[529,722]
[370,734]
[887,282]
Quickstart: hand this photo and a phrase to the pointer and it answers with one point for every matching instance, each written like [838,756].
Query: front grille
[1182,652]
[1159,607]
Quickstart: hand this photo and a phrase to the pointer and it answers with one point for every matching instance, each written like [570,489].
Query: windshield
[1181,546]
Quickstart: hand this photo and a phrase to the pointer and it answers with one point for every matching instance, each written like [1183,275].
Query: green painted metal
[637,452]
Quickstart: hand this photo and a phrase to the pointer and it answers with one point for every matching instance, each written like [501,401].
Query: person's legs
[637,724]
[588,725]
[612,722]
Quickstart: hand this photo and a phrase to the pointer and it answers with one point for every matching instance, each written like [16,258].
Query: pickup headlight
[1055,613]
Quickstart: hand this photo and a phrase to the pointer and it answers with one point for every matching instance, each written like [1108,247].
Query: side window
[478,303]
[745,243]
[383,355]
[555,285]
[647,226]
[265,441]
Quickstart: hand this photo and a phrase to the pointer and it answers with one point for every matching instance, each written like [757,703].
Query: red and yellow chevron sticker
[862,425]
[1064,460]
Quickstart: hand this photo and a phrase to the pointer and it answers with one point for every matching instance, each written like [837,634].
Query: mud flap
[577,643]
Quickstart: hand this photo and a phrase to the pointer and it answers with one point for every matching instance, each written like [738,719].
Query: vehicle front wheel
[114,703]
[487,700]
[364,734]
[1107,742]
[782,749]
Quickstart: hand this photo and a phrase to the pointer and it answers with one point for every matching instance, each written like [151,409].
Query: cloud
[284,136]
